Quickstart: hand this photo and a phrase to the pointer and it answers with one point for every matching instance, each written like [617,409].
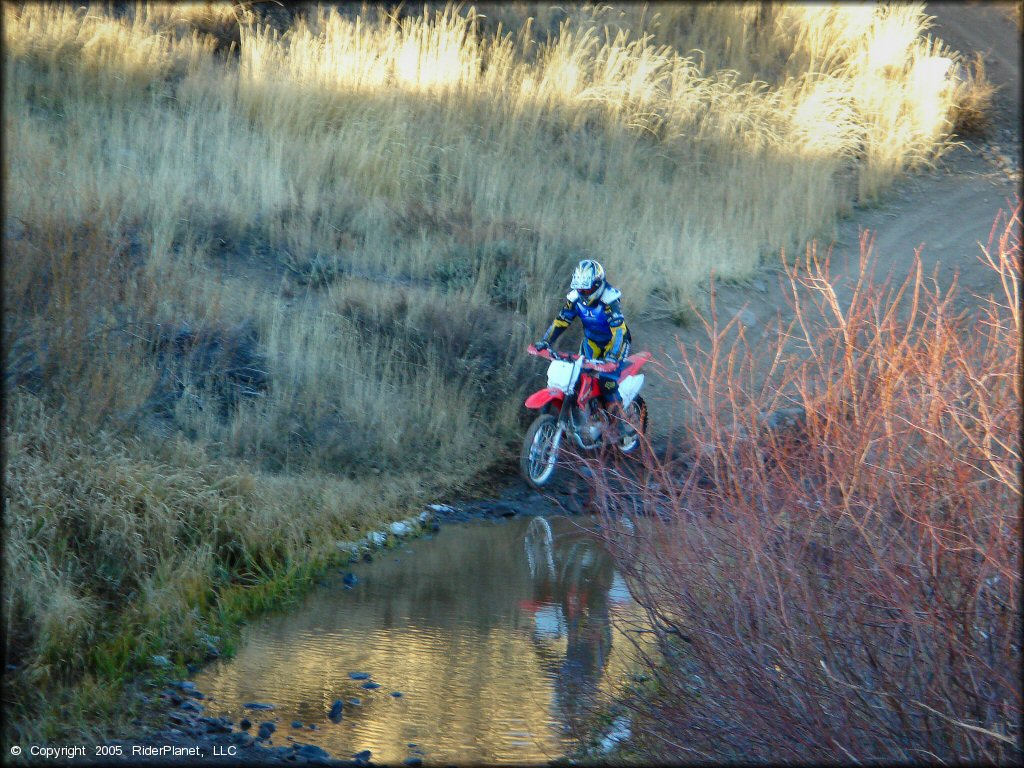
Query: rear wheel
[538,457]
[636,415]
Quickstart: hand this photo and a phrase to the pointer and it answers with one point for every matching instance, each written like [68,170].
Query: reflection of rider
[605,335]
[581,589]
[589,634]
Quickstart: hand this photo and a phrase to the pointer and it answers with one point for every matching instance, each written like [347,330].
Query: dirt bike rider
[606,337]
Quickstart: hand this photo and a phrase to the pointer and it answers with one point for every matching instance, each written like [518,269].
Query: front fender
[542,397]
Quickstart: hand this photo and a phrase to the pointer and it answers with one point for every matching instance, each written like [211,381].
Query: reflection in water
[572,579]
[494,634]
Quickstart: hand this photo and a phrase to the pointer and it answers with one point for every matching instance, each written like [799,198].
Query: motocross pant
[608,383]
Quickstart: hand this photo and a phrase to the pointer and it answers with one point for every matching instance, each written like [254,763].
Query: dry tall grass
[847,589]
[331,136]
[388,206]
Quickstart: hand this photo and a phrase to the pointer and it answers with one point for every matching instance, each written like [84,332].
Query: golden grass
[611,141]
[394,205]
[974,94]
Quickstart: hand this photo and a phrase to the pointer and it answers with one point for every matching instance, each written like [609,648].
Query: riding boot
[618,425]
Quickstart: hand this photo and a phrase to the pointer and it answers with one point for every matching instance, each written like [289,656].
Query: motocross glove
[540,346]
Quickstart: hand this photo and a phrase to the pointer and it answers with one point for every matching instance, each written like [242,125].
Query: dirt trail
[946,212]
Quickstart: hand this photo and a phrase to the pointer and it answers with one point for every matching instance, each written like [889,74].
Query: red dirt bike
[569,404]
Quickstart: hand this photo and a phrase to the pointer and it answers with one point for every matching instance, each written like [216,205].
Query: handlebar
[550,354]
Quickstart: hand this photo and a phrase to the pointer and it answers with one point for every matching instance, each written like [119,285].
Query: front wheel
[636,416]
[538,457]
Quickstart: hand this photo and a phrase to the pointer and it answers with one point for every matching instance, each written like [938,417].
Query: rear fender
[542,397]
[630,387]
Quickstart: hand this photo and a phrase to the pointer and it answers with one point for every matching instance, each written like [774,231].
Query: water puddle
[490,632]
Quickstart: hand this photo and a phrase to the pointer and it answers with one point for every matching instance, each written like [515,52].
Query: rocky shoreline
[186,736]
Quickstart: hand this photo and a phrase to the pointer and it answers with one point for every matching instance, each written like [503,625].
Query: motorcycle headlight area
[560,374]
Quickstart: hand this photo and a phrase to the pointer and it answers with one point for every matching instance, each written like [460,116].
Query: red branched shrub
[831,564]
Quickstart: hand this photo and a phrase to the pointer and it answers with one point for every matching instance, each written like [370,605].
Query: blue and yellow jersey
[603,323]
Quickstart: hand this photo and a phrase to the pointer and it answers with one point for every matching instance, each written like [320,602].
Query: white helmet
[588,280]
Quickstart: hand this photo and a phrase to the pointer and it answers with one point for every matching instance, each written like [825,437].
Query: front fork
[566,422]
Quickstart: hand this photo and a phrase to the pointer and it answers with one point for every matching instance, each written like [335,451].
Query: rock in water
[266,729]
[257,705]
[335,714]
[241,739]
[359,675]
[311,752]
